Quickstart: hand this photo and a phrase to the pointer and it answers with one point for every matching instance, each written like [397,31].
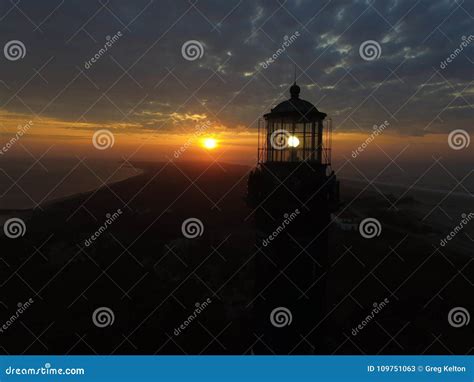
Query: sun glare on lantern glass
[293,141]
[209,143]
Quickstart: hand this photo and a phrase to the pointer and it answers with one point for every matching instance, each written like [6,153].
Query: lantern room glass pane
[288,141]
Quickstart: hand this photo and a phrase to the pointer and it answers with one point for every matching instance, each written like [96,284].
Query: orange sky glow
[64,138]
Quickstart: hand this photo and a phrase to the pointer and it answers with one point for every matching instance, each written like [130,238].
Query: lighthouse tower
[292,193]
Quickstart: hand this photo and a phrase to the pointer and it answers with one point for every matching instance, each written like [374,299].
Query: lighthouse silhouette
[292,193]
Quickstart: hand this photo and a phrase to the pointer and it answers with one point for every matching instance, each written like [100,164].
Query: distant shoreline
[409,188]
[6,212]
[48,203]
[146,167]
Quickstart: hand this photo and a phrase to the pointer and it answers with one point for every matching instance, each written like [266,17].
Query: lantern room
[295,131]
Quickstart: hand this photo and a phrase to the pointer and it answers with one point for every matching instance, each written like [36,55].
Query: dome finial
[295,89]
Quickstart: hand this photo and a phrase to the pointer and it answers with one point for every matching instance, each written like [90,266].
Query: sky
[152,93]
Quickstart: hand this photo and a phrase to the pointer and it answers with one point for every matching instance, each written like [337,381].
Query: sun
[209,143]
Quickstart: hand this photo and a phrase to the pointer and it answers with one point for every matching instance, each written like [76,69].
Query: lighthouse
[292,193]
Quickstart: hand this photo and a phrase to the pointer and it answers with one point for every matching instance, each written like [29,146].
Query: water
[443,177]
[25,183]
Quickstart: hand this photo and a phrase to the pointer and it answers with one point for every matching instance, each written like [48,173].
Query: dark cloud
[143,78]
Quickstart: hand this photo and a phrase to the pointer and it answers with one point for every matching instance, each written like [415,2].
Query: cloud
[142,81]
